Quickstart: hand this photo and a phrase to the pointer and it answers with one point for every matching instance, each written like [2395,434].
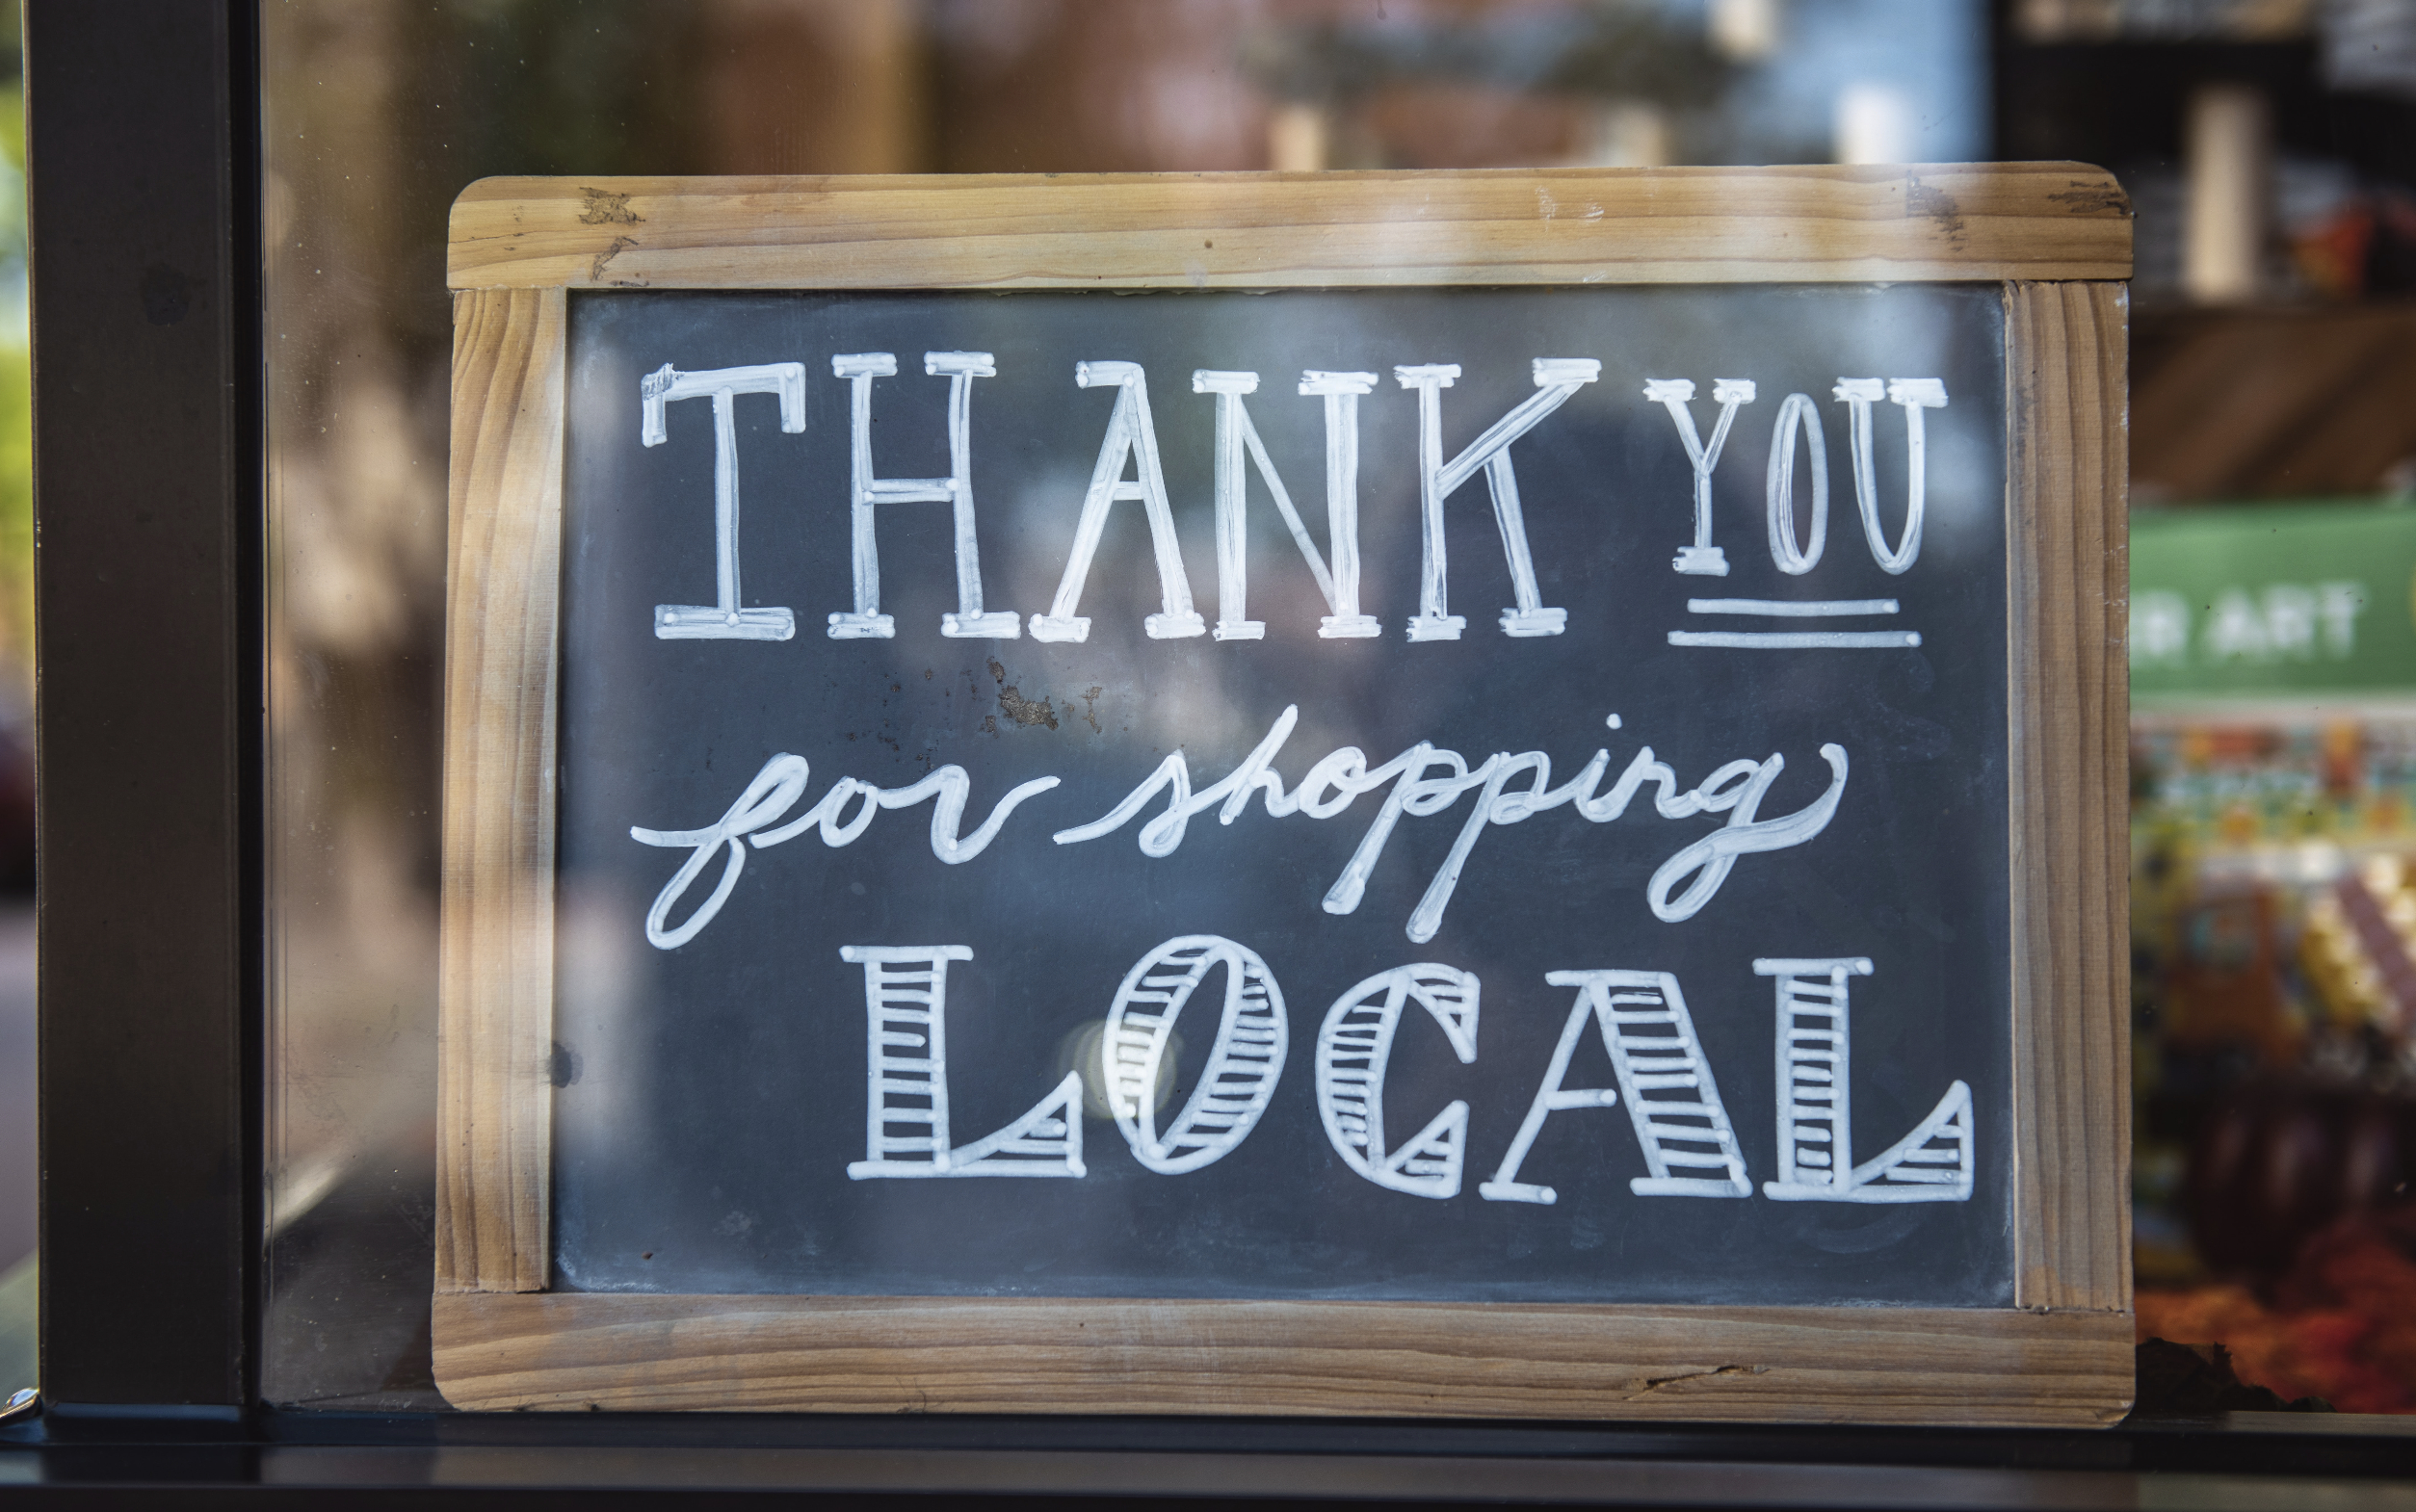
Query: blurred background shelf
[2270,149]
[2272,401]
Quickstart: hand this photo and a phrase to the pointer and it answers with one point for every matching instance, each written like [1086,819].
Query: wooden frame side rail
[2057,235]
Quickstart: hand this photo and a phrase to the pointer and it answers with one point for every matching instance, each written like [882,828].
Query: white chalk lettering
[906,1082]
[773,790]
[1426,781]
[1673,1102]
[1354,1047]
[1913,396]
[723,619]
[1235,434]
[1555,380]
[1244,1064]
[866,490]
[1779,487]
[1702,558]
[1341,392]
[1131,437]
[1815,1163]
[1709,859]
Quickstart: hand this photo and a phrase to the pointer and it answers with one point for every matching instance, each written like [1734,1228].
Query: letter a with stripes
[905,1101]
[1815,1163]
[1671,1098]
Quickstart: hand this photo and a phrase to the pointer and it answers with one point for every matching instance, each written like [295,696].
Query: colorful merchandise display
[2273,945]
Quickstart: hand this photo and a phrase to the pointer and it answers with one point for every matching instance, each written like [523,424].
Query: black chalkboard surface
[1764,966]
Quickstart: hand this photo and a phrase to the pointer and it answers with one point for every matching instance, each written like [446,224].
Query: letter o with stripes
[1244,1063]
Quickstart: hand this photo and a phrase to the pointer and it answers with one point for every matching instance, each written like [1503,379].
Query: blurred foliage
[565,85]
[16,387]
[1624,49]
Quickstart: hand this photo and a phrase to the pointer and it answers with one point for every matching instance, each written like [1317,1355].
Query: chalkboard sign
[1478,774]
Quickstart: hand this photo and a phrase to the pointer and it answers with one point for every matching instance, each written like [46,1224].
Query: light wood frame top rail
[1818,224]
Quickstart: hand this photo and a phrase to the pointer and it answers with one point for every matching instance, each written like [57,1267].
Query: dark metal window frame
[143,192]
[143,196]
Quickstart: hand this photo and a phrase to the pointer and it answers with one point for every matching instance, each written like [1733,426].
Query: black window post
[142,198]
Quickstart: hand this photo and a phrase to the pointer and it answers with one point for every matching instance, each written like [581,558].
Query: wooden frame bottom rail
[581,1352]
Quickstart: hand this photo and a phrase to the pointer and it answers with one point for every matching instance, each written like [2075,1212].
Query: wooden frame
[2057,235]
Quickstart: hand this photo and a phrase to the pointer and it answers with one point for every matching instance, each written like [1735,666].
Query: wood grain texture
[2070,711]
[1813,225]
[496,965]
[578,1350]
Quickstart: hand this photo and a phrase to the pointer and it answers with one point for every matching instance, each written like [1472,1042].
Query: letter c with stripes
[905,1092]
[1353,1049]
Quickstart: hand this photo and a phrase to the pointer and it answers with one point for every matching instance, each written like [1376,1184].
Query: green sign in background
[2273,599]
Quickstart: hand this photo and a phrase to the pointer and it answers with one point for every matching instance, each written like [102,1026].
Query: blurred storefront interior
[2268,147]
[2271,154]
